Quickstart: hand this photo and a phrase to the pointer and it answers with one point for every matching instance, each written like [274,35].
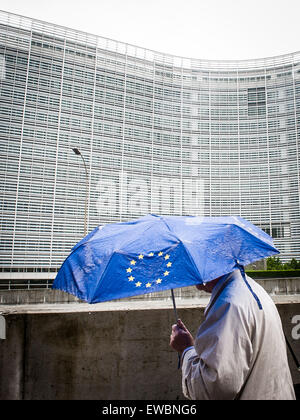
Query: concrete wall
[274,286]
[119,354]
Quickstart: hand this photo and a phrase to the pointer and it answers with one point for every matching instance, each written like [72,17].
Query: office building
[159,134]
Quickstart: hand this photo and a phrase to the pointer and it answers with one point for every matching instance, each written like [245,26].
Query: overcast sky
[207,29]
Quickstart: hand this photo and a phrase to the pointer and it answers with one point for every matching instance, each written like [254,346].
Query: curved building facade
[159,134]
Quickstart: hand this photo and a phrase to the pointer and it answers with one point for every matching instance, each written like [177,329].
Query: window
[278,230]
[256,102]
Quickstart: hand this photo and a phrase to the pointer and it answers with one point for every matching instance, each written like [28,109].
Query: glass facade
[159,133]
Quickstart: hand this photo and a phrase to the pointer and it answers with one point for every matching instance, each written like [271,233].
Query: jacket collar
[217,290]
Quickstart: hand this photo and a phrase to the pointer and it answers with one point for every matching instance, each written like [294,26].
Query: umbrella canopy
[156,253]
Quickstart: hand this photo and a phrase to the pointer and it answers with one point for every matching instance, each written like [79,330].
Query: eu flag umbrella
[155,253]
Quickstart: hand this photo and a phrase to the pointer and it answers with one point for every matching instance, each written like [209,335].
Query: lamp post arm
[77,152]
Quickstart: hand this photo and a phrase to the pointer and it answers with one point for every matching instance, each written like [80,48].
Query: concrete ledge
[284,286]
[35,296]
[124,305]
[279,286]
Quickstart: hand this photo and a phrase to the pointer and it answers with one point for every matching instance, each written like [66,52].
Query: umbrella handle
[174,305]
[176,318]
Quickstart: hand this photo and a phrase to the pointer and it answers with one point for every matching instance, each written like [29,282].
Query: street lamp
[77,152]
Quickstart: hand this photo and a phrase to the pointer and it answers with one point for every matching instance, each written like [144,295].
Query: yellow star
[160,254]
[151,254]
[148,284]
[167,257]
[138,284]
[169,264]
[158,281]
[140,257]
[129,270]
[132,262]
[166,273]
[131,278]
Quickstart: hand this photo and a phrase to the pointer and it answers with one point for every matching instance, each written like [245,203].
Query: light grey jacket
[240,350]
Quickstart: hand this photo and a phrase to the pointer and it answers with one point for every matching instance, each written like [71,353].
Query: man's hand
[180,338]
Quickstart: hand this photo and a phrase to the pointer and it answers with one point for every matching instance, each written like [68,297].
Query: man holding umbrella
[239,351]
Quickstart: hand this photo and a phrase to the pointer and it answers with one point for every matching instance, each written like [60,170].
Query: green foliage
[294,264]
[274,263]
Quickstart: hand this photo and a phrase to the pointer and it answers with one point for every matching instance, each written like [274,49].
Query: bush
[274,263]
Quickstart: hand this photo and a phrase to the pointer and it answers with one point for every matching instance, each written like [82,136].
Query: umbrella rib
[163,220]
[102,275]
[191,260]
[187,251]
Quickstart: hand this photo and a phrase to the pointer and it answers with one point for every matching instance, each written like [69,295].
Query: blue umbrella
[155,253]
